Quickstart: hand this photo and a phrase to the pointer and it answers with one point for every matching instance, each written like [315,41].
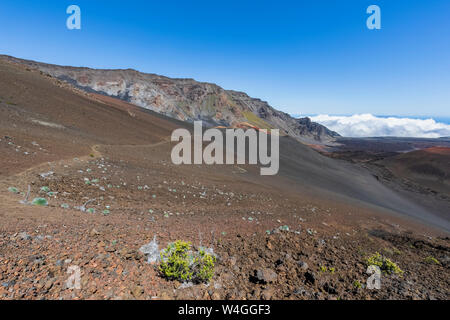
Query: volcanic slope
[70,124]
[104,167]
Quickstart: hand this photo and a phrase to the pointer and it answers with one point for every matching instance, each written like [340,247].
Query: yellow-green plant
[385,264]
[175,261]
[432,260]
[204,266]
[179,262]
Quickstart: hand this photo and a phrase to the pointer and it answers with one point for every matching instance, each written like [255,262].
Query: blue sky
[303,57]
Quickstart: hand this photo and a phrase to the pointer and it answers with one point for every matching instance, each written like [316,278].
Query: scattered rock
[329,288]
[310,277]
[300,291]
[24,236]
[303,265]
[265,275]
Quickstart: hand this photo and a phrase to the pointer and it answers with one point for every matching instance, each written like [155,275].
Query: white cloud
[367,125]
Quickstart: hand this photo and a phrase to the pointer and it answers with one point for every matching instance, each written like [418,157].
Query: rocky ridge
[186,99]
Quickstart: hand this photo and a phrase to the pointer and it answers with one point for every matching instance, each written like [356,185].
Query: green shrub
[432,260]
[13,190]
[179,262]
[40,202]
[176,261]
[204,266]
[323,268]
[357,284]
[385,264]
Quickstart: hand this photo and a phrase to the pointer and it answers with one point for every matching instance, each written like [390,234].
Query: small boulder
[303,265]
[264,276]
[310,277]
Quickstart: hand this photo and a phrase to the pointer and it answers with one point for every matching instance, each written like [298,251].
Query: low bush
[432,260]
[180,262]
[385,264]
[357,284]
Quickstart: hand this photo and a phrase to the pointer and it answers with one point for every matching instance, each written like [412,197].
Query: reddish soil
[439,150]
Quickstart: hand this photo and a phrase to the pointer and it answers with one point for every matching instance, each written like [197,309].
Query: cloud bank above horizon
[368,125]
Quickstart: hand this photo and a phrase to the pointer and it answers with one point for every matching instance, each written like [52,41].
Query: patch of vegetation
[357,284]
[40,202]
[203,267]
[179,262]
[323,268]
[176,260]
[385,264]
[256,121]
[13,190]
[432,260]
